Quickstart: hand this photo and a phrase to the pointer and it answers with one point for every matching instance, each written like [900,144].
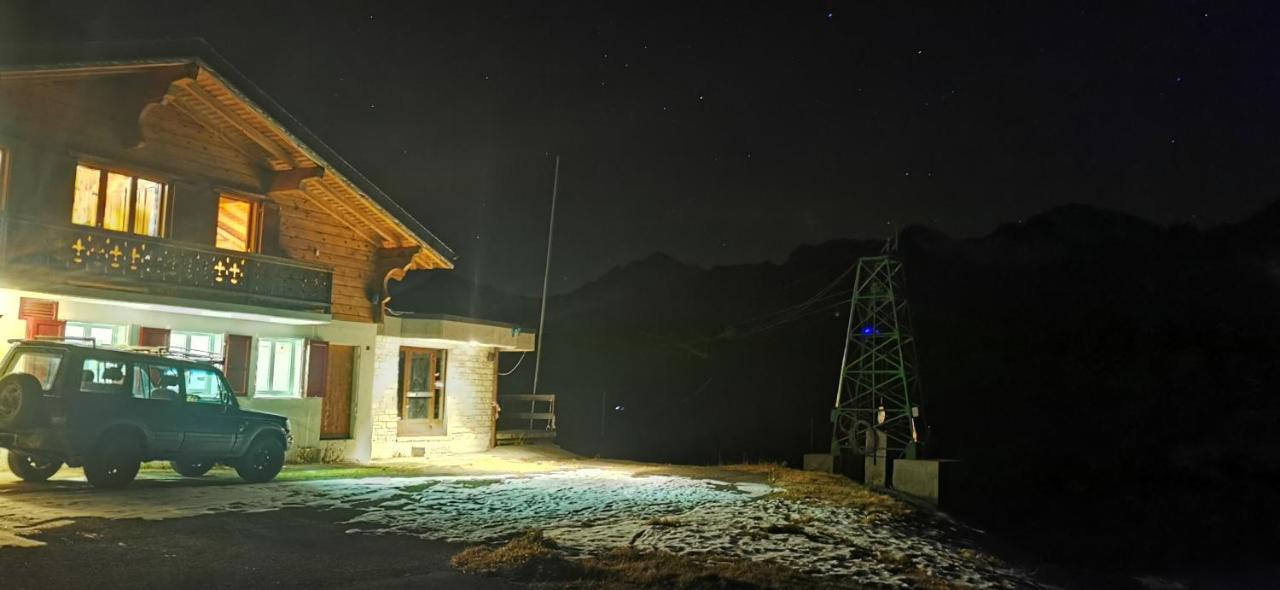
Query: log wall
[49,125]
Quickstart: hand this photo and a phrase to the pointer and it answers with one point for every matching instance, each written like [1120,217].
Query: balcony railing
[88,256]
[525,417]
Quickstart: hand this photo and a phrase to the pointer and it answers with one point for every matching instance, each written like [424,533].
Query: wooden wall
[308,233]
[91,117]
[49,125]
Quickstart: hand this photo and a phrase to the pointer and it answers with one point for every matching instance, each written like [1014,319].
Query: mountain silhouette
[1081,356]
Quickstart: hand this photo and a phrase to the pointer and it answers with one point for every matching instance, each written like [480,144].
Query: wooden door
[422,396]
[335,415]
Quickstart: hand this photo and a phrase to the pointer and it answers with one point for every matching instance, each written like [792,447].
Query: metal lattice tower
[877,406]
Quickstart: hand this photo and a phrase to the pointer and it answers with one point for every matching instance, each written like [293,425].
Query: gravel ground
[585,510]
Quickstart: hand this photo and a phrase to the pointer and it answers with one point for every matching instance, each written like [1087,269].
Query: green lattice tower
[878,387]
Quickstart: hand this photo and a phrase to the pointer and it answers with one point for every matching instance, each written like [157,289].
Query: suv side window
[204,386]
[41,364]
[104,376]
[155,382]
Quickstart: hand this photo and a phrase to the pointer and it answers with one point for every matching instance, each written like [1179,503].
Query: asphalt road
[292,548]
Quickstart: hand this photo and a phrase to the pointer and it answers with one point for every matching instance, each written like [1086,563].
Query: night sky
[733,132]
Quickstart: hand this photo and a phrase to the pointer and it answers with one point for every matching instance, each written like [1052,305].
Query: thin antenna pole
[546,276]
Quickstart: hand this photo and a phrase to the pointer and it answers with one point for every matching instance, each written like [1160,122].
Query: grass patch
[531,557]
[826,488]
[308,472]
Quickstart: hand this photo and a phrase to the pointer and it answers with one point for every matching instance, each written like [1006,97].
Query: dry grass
[826,488]
[666,521]
[800,519]
[628,567]
[896,561]
[514,555]
[981,559]
[922,580]
[534,558]
[918,578]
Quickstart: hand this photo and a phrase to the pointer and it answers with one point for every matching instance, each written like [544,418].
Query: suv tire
[20,400]
[32,469]
[114,463]
[263,461]
[191,467]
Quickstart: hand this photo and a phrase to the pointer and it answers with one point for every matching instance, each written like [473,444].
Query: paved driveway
[291,548]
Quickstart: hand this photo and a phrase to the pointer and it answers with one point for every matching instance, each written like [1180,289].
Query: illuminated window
[118,202]
[84,211]
[279,367]
[100,333]
[237,224]
[196,343]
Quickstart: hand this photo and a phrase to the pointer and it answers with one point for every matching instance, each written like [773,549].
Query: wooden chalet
[152,196]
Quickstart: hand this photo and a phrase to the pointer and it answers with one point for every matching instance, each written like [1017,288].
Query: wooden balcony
[69,258]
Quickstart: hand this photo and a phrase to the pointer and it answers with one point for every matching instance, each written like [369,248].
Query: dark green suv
[111,409]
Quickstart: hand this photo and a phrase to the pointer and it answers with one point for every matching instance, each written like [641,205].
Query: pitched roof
[216,86]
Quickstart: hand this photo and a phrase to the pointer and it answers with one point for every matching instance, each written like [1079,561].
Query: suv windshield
[41,364]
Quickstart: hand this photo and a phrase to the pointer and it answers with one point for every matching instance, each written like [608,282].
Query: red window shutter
[153,337]
[236,362]
[317,368]
[30,308]
[37,329]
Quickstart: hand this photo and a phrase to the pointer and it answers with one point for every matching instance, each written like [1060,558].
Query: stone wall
[470,386]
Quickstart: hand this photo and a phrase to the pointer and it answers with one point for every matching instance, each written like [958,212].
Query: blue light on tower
[869,330]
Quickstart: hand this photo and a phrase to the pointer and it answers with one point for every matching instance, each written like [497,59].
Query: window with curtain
[204,343]
[279,370]
[118,202]
[100,333]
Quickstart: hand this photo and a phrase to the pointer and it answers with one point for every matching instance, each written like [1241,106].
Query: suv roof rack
[173,352]
[92,342]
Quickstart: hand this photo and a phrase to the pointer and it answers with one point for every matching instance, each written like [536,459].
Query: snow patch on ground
[585,511]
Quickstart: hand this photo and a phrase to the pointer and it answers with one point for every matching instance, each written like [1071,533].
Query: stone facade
[470,390]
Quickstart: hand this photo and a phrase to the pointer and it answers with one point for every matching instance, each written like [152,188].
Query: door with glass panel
[422,392]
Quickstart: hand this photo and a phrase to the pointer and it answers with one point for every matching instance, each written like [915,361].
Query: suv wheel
[191,467]
[20,398]
[114,463]
[30,468]
[263,461]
